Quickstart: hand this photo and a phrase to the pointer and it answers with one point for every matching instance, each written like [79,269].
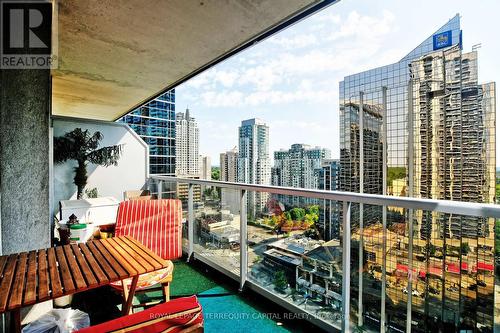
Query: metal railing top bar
[441,206]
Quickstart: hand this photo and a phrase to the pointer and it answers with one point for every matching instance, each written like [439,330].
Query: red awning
[436,271]
[452,268]
[464,266]
[485,267]
[402,268]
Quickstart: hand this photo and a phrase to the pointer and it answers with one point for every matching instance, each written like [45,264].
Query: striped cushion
[179,315]
[155,223]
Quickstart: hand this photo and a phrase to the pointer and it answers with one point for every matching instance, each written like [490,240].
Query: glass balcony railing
[344,260]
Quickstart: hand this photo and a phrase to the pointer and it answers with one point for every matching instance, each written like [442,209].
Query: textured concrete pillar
[24,159]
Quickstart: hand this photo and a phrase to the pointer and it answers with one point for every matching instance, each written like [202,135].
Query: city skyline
[293,74]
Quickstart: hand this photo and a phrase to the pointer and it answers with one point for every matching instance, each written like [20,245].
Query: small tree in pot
[81,146]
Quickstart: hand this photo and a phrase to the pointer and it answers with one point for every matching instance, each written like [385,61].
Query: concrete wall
[130,173]
[24,159]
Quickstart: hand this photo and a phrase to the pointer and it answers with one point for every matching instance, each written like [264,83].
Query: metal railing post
[361,208]
[159,189]
[190,221]
[410,211]
[243,239]
[384,211]
[346,265]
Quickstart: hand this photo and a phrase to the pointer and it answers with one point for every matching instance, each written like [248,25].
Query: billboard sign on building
[441,40]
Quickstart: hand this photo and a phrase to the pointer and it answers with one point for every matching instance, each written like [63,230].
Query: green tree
[298,214]
[280,281]
[82,147]
[215,173]
[313,209]
[395,173]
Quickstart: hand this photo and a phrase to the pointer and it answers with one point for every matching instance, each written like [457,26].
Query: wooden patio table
[32,277]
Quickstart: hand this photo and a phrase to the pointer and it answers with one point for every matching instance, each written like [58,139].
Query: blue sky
[291,80]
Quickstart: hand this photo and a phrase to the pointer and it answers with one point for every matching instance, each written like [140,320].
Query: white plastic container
[99,211]
[78,233]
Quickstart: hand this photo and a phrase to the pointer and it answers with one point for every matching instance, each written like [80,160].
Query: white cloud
[295,42]
[223,98]
[364,27]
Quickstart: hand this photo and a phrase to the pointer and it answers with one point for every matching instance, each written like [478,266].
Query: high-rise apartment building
[253,163]
[328,180]
[296,167]
[228,165]
[230,199]
[187,145]
[154,122]
[205,167]
[427,122]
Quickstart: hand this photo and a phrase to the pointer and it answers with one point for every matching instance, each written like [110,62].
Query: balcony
[307,275]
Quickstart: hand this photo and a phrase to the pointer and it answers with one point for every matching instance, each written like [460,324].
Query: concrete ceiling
[116,54]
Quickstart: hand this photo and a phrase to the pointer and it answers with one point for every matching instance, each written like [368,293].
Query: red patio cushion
[155,223]
[174,316]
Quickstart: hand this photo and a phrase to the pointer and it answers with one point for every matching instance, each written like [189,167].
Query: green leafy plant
[280,281]
[82,146]
[215,173]
[91,193]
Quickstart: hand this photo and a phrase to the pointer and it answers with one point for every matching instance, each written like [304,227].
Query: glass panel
[217,226]
[295,252]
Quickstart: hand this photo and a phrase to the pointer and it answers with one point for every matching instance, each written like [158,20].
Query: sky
[291,80]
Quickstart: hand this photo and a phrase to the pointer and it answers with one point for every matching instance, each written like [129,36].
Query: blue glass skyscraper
[154,122]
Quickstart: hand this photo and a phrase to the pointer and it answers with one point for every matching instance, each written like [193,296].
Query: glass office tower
[154,122]
[422,127]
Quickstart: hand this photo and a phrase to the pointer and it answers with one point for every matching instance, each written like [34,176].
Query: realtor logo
[26,33]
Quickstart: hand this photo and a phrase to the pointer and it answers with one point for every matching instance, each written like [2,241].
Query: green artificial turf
[189,281]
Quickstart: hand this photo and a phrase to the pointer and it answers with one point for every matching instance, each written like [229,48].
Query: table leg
[15,320]
[129,295]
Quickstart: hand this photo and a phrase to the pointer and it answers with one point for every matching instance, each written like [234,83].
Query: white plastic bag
[59,321]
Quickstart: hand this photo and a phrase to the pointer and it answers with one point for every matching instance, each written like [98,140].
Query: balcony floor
[224,308]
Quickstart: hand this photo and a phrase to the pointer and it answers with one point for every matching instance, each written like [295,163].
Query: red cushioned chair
[156,224]
[179,315]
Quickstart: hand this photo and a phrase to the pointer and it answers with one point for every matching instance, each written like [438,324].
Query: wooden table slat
[3,263]
[8,277]
[28,278]
[74,268]
[55,280]
[123,258]
[91,260]
[31,287]
[43,276]
[144,254]
[16,296]
[86,271]
[67,279]
[145,248]
[108,258]
[137,257]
